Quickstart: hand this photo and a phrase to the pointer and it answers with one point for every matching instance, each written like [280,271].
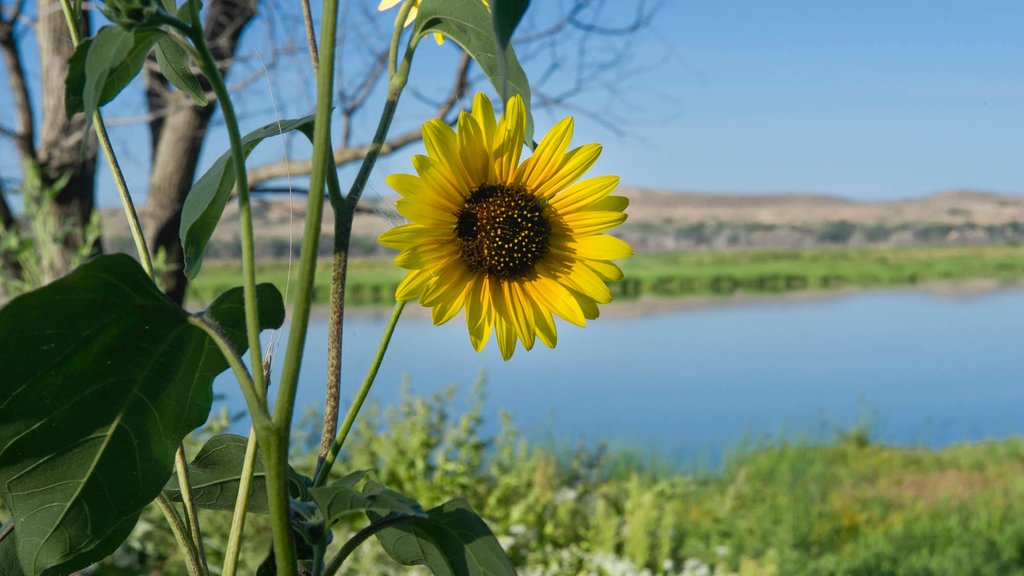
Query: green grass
[372,281]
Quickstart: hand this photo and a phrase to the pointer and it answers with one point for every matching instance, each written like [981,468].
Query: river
[692,380]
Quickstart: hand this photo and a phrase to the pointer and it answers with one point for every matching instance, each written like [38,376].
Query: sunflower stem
[357,403]
[344,211]
[275,445]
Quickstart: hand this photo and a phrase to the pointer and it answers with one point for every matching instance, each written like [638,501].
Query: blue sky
[869,99]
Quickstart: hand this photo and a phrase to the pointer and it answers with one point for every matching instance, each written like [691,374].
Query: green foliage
[214,474]
[88,438]
[468,23]
[451,540]
[341,498]
[37,244]
[206,201]
[174,65]
[103,65]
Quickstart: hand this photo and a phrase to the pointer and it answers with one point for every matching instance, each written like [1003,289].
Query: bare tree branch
[347,155]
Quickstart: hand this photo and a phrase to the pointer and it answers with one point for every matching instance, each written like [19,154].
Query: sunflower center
[502,231]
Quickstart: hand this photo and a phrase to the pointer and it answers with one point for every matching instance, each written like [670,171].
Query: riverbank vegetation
[849,507]
[372,281]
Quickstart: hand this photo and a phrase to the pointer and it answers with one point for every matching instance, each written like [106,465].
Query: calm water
[919,368]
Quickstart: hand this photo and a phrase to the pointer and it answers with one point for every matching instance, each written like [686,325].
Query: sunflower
[510,242]
[388,4]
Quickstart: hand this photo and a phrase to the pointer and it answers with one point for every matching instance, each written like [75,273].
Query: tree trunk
[177,140]
[61,152]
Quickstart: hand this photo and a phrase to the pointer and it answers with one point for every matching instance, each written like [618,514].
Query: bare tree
[572,47]
[57,151]
[177,130]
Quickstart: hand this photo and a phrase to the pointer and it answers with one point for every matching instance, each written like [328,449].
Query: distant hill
[672,220]
[949,207]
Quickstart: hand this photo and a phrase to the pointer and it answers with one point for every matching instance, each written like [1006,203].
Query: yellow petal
[483,112]
[443,148]
[509,139]
[424,213]
[443,187]
[591,222]
[557,298]
[606,270]
[547,157]
[438,37]
[574,165]
[590,309]
[426,255]
[519,313]
[445,311]
[406,235]
[407,184]
[586,282]
[452,281]
[542,320]
[412,285]
[601,247]
[584,193]
[506,338]
[475,155]
[612,203]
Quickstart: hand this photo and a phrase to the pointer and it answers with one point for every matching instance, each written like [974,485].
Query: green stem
[191,516]
[257,410]
[108,152]
[276,448]
[357,403]
[241,507]
[349,547]
[336,313]
[180,536]
[344,210]
[209,67]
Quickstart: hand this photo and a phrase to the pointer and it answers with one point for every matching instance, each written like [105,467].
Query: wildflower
[510,242]
[387,4]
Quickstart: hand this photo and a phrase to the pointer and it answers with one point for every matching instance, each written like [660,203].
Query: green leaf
[452,541]
[505,17]
[103,377]
[215,473]
[228,312]
[9,565]
[468,23]
[103,65]
[206,201]
[173,61]
[340,498]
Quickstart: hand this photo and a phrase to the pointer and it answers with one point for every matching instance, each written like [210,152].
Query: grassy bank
[699,273]
[850,507]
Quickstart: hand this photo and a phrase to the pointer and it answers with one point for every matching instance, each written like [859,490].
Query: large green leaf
[341,498]
[206,201]
[9,565]
[505,17]
[451,541]
[103,65]
[468,23]
[102,378]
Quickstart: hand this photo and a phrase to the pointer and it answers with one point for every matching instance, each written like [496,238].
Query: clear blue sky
[870,99]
